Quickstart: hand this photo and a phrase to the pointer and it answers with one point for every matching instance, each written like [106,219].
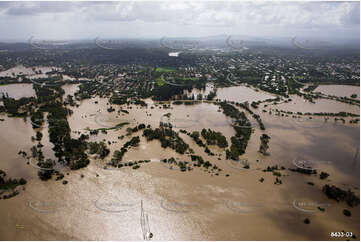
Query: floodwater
[339,90]
[236,93]
[18,90]
[208,88]
[35,72]
[70,89]
[26,90]
[298,104]
[195,205]
[242,94]
[29,72]
[16,135]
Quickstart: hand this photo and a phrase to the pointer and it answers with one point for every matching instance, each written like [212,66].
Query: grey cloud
[202,12]
[353,16]
[35,8]
[187,18]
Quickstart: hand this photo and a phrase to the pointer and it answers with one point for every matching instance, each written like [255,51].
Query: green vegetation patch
[118,126]
[160,81]
[165,69]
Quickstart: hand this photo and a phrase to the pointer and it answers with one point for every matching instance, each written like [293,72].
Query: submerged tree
[46,169]
[264,144]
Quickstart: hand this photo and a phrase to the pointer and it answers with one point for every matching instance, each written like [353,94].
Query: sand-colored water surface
[17,90]
[339,90]
[194,205]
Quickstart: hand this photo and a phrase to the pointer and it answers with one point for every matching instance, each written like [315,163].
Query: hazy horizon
[153,20]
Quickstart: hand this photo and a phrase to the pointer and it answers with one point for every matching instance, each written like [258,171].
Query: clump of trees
[167,137]
[117,157]
[214,138]
[133,142]
[197,161]
[310,88]
[14,106]
[212,95]
[110,109]
[206,164]
[134,164]
[135,129]
[99,149]
[324,175]
[274,168]
[333,192]
[74,152]
[69,151]
[118,154]
[10,184]
[47,169]
[346,212]
[182,165]
[259,120]
[243,129]
[140,102]
[278,181]
[264,144]
[166,92]
[238,147]
[303,171]
[37,119]
[195,136]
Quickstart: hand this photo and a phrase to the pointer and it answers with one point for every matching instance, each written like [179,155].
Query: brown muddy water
[242,94]
[18,90]
[298,104]
[339,90]
[29,72]
[70,89]
[195,205]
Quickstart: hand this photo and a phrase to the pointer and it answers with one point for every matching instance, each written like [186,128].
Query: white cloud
[188,18]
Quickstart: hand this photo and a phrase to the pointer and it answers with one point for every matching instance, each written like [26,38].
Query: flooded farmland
[339,90]
[182,206]
[35,72]
[17,90]
[298,104]
[193,121]
[242,94]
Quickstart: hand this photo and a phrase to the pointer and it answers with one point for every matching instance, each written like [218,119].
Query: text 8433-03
[341,234]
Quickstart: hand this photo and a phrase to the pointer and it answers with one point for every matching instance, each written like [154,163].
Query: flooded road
[194,205]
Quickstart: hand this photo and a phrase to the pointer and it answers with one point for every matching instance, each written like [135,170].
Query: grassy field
[165,69]
[118,126]
[160,81]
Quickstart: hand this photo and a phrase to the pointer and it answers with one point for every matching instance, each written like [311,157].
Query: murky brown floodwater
[29,72]
[242,94]
[18,90]
[70,89]
[209,87]
[339,90]
[185,206]
[298,104]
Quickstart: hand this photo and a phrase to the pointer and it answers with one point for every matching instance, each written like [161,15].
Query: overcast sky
[79,20]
